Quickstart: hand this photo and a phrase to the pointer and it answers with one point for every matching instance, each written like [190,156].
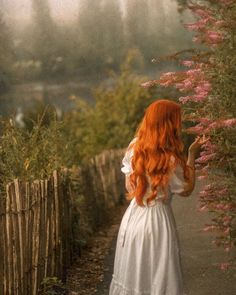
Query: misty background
[53,50]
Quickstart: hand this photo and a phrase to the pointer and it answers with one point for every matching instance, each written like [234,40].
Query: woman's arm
[192,152]
[190,183]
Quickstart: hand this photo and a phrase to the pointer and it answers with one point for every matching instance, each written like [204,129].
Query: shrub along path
[198,254]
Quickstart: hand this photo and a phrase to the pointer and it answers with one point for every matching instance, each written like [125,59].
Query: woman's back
[176,179]
[147,258]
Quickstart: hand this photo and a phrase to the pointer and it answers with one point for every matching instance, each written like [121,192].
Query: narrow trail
[198,254]
[94,267]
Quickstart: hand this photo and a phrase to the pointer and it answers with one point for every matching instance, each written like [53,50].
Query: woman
[147,260]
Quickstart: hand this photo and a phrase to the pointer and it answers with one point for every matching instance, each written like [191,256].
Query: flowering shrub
[208,92]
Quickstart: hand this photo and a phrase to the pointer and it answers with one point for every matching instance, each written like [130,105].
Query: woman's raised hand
[198,142]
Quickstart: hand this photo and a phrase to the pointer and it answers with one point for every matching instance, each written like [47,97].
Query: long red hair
[157,140]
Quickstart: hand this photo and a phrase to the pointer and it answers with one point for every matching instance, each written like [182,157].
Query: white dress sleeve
[126,161]
[177,182]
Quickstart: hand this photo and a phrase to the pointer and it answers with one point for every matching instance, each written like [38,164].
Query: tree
[113,33]
[155,27]
[6,54]
[137,25]
[44,36]
[91,47]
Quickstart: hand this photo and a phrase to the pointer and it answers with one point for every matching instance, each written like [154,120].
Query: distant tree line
[6,54]
[98,41]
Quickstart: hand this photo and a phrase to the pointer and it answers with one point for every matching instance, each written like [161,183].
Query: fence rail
[36,220]
[35,226]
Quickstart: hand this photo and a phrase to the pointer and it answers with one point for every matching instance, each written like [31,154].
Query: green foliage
[47,142]
[224,80]
[40,112]
[30,154]
[111,123]
[52,286]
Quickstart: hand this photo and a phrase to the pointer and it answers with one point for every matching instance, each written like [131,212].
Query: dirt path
[198,255]
[94,266]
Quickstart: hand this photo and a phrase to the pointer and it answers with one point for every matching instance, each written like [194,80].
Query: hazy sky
[19,10]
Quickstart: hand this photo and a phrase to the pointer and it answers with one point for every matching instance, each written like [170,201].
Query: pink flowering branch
[196,84]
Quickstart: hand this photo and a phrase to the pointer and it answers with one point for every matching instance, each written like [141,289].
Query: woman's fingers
[204,139]
[201,140]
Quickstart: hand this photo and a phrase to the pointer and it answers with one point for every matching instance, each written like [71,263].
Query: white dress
[147,258]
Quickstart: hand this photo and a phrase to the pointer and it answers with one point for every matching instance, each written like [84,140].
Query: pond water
[24,96]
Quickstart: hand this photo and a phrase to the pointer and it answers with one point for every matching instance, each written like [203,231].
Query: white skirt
[147,258]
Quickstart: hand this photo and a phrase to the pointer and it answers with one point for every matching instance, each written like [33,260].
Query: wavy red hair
[157,140]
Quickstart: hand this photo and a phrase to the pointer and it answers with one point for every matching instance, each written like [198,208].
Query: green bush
[118,109]
[30,154]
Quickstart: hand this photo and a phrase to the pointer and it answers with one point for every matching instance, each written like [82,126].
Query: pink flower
[149,84]
[204,121]
[167,75]
[196,129]
[203,87]
[222,123]
[216,242]
[197,39]
[184,99]
[188,63]
[201,177]
[228,122]
[204,193]
[227,231]
[227,2]
[210,227]
[203,208]
[202,12]
[220,23]
[193,26]
[209,187]
[209,147]
[194,72]
[220,206]
[225,207]
[188,84]
[166,83]
[200,97]
[214,37]
[224,266]
[228,218]
[213,125]
[205,158]
[205,168]
[223,192]
[179,85]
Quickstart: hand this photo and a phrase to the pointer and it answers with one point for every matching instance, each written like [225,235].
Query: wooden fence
[36,220]
[102,185]
[35,234]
